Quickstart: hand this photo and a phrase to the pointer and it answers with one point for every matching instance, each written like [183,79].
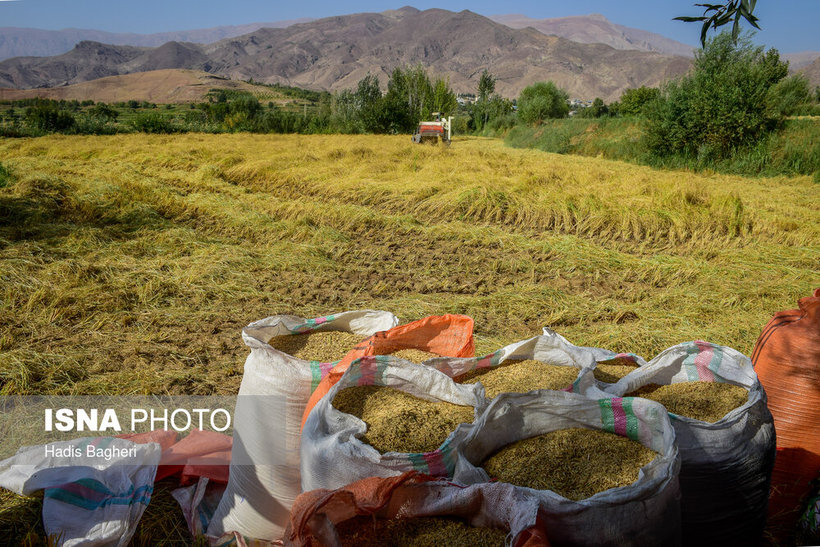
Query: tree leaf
[703,32]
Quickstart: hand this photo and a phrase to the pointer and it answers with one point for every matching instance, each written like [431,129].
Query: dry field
[171,85]
[130,263]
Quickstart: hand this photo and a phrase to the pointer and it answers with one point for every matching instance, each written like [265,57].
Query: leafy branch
[717,15]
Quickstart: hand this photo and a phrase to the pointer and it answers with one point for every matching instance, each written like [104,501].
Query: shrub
[153,122]
[633,101]
[597,110]
[540,101]
[786,95]
[46,116]
[104,112]
[92,125]
[726,103]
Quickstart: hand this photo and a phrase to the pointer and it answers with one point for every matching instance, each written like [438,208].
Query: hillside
[812,72]
[335,53]
[33,42]
[157,86]
[597,29]
[800,59]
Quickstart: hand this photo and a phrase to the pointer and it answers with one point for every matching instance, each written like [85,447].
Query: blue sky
[788,25]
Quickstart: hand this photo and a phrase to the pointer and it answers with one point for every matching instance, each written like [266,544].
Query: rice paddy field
[130,263]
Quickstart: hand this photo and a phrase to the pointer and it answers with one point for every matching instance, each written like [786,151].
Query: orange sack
[786,358]
[445,335]
[315,514]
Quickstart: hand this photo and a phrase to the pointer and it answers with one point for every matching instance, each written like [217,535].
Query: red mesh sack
[786,358]
[315,514]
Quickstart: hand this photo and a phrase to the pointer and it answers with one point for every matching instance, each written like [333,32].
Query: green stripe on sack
[607,415]
[316,375]
[419,463]
[689,363]
[631,419]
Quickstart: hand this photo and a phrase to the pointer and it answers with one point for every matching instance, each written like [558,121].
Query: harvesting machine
[435,130]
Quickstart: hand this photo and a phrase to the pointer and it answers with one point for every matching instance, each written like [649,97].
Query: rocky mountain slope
[336,52]
[32,42]
[597,29]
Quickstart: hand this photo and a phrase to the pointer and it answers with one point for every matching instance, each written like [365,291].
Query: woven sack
[264,473]
[332,453]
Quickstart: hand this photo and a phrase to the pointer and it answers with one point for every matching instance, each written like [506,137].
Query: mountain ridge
[33,42]
[336,52]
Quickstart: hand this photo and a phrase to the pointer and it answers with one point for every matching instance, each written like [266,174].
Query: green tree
[633,101]
[104,112]
[596,110]
[486,85]
[540,101]
[45,115]
[411,98]
[483,109]
[444,99]
[344,115]
[786,95]
[728,101]
[368,103]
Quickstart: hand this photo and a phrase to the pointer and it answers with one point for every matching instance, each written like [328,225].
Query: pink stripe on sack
[320,320]
[325,368]
[435,463]
[702,361]
[619,416]
[486,362]
[368,376]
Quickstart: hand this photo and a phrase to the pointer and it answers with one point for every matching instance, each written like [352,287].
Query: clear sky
[788,25]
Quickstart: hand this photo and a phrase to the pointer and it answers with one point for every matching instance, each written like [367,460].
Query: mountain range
[600,60]
[336,52]
[34,42]
[597,29]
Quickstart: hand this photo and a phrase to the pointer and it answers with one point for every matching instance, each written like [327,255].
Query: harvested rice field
[400,422]
[323,346]
[575,463]
[419,532]
[130,263]
[704,401]
[521,377]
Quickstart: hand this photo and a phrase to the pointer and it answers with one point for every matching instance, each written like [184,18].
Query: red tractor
[435,130]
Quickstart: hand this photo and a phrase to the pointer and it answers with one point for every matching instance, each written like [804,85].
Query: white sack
[726,466]
[646,512]
[87,500]
[551,349]
[264,476]
[333,455]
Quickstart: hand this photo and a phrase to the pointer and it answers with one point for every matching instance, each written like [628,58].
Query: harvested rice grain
[323,346]
[575,463]
[414,355]
[705,401]
[400,422]
[520,377]
[612,373]
[419,532]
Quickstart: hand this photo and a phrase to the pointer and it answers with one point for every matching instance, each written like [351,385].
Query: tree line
[736,94]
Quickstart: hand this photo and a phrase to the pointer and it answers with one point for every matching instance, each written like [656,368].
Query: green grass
[794,150]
